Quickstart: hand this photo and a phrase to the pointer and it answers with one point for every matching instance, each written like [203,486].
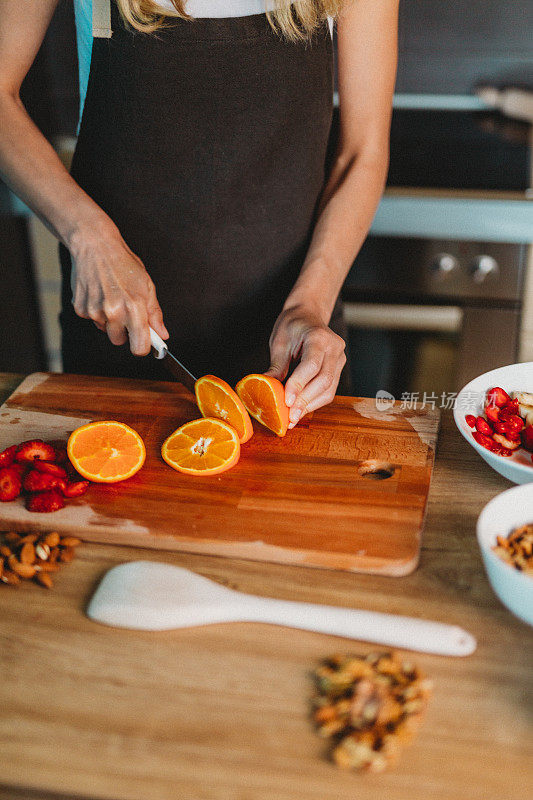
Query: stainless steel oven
[427,315]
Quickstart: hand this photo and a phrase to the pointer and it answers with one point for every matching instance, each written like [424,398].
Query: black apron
[205,143]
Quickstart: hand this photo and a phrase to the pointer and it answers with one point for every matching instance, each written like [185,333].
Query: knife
[161,351]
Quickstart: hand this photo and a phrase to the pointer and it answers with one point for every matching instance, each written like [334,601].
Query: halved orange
[216,398]
[204,446]
[264,398]
[106,452]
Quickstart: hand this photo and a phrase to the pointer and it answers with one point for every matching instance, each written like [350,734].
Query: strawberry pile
[42,473]
[502,430]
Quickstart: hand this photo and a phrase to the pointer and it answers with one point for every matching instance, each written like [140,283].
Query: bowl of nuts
[494,412]
[505,537]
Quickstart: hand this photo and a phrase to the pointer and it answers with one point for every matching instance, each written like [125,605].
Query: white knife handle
[158,344]
[370,626]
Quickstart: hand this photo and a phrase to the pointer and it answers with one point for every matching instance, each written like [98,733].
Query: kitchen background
[443,288]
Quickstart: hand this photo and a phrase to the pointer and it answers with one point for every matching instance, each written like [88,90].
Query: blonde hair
[294,20]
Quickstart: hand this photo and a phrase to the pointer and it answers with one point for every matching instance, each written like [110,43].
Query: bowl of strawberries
[494,412]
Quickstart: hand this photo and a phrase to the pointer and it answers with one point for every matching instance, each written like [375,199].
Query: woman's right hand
[111,287]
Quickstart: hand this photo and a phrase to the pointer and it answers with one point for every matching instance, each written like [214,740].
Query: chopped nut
[27,553]
[67,554]
[516,549]
[23,570]
[33,555]
[51,539]
[9,577]
[372,716]
[44,579]
[29,537]
[42,551]
[70,541]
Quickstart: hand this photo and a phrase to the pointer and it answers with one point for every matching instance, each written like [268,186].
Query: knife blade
[174,365]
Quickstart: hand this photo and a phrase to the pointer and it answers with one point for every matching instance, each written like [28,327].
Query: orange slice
[216,398]
[264,398]
[106,452]
[204,446]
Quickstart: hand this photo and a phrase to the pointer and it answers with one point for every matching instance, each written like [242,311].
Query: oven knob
[483,267]
[444,263]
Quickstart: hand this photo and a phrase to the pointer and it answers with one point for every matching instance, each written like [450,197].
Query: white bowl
[504,513]
[470,400]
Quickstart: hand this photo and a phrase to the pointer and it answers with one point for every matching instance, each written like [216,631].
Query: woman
[197,201]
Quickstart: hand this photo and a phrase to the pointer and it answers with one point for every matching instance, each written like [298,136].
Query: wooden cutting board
[346,489]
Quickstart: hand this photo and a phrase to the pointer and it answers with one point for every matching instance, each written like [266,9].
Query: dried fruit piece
[7,456]
[44,502]
[34,450]
[10,484]
[470,419]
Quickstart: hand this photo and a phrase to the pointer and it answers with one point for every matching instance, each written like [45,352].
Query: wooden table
[223,712]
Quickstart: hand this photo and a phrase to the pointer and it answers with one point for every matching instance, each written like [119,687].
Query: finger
[321,390]
[280,357]
[155,316]
[79,302]
[313,353]
[138,330]
[116,332]
[100,326]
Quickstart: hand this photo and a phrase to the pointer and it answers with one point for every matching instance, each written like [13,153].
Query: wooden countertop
[222,712]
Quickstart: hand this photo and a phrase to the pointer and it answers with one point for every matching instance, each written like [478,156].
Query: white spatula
[150,596]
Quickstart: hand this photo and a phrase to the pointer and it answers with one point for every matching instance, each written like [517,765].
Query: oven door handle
[393,317]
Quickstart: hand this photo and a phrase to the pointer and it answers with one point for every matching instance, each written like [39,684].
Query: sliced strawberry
[527,437]
[20,468]
[483,426]
[7,456]
[34,450]
[75,488]
[492,413]
[44,502]
[50,469]
[512,407]
[497,397]
[10,484]
[470,419]
[36,481]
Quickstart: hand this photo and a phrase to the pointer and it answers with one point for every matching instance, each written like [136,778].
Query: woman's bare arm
[110,284]
[367,57]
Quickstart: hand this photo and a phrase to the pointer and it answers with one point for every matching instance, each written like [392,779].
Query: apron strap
[102,19]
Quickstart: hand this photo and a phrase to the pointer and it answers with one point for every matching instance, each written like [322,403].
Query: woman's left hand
[300,333]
